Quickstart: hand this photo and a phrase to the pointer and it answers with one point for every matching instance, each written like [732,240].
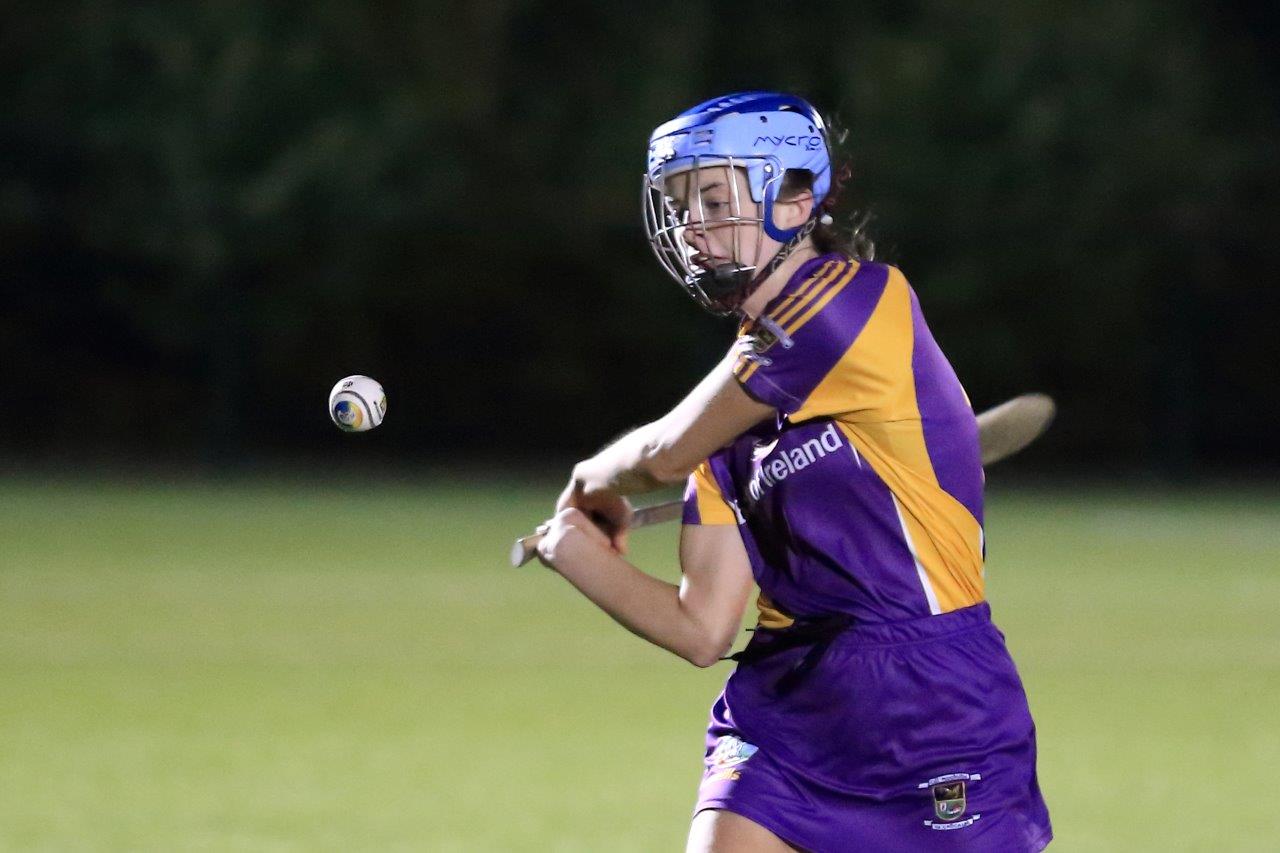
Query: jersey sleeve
[704,502]
[816,353]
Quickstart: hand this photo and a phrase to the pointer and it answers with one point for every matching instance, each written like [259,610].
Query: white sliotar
[357,404]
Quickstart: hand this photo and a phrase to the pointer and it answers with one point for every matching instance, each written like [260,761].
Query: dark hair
[852,239]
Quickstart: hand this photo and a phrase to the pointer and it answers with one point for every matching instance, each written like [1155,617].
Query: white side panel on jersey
[929,594]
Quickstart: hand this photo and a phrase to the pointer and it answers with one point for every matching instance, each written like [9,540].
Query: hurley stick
[1002,431]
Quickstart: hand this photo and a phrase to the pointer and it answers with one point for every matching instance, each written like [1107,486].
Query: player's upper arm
[716,584]
[713,414]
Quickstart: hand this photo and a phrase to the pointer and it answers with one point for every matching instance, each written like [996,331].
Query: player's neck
[778,279]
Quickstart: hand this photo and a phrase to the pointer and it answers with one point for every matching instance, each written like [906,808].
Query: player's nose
[695,236]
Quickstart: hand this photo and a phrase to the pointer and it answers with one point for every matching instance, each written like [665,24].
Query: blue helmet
[763,133]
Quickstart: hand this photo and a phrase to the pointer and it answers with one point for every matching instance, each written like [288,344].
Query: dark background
[210,212]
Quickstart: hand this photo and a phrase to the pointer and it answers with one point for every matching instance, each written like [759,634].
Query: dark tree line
[211,211]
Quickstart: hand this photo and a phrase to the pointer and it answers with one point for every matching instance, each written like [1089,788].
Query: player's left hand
[611,512]
[560,534]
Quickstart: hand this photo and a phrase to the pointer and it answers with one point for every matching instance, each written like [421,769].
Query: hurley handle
[523,549]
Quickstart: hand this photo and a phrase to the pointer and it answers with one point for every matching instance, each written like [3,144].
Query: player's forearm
[644,605]
[636,463]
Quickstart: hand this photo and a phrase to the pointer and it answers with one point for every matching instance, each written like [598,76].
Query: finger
[541,550]
[602,520]
[614,516]
[619,542]
[571,496]
[576,518]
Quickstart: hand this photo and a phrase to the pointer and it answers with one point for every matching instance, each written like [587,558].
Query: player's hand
[611,512]
[561,534]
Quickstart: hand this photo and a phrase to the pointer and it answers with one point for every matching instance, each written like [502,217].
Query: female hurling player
[832,458]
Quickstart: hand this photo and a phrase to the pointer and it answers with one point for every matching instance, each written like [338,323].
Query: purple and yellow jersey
[864,496]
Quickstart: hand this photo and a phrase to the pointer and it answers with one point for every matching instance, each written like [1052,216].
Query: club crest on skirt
[949,800]
[950,795]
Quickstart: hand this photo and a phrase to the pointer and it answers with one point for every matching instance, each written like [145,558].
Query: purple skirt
[903,736]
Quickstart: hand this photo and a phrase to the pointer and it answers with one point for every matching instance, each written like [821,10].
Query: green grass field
[295,667]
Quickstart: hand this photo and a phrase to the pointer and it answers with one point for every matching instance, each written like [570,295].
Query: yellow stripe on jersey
[868,380]
[790,299]
[828,293]
[789,305]
[871,392]
[712,508]
[943,536]
[822,288]
[797,301]
[742,363]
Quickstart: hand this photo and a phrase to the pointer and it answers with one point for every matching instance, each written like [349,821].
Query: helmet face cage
[722,289]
